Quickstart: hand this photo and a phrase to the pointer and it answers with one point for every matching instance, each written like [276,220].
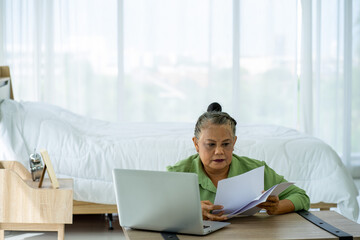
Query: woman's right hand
[207,206]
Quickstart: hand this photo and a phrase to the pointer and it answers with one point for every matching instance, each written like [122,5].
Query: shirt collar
[204,180]
[234,167]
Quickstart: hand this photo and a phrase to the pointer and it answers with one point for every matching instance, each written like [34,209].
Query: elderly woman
[214,140]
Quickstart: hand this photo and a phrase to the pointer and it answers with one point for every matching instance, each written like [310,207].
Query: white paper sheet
[251,208]
[236,192]
[241,194]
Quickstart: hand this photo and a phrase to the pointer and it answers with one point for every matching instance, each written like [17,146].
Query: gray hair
[214,117]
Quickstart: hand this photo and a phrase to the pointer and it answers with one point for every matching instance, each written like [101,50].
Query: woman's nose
[219,150]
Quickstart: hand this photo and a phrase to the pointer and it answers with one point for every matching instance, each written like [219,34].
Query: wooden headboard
[5,83]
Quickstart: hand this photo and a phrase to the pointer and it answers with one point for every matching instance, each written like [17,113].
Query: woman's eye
[211,144]
[226,144]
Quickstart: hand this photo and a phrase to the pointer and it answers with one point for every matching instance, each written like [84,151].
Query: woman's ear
[235,138]
[195,141]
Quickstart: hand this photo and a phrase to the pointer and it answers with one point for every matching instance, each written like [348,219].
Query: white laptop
[161,201]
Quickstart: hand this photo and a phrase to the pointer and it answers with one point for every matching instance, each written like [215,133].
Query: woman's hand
[275,206]
[207,206]
[271,205]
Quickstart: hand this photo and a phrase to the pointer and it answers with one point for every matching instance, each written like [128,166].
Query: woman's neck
[216,176]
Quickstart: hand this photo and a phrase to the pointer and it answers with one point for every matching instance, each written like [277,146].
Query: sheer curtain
[355,99]
[294,63]
[63,53]
[268,62]
[177,58]
[335,79]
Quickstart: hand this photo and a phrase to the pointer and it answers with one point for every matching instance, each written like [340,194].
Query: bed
[87,150]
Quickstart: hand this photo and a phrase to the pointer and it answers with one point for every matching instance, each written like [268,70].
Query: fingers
[271,205]
[214,217]
[272,199]
[268,204]
[207,207]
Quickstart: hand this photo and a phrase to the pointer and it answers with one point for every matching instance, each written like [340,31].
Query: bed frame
[80,207]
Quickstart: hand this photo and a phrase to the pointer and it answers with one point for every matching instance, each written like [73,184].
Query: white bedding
[87,150]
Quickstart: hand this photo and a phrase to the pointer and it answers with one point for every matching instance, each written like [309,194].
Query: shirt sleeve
[293,193]
[185,165]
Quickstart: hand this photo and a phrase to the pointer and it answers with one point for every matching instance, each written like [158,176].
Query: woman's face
[215,146]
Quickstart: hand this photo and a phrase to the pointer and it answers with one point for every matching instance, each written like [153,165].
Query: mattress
[87,150]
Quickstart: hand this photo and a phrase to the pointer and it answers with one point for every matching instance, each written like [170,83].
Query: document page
[236,192]
[241,194]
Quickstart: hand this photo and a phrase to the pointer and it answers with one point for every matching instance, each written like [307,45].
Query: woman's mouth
[219,160]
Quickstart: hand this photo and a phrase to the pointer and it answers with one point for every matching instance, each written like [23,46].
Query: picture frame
[49,167]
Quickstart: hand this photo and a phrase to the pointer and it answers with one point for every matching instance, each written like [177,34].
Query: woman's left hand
[275,206]
[271,205]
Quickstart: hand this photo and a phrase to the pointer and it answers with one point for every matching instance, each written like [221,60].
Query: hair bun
[214,107]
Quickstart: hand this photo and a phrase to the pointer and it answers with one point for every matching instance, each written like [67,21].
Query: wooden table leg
[61,232]
[2,233]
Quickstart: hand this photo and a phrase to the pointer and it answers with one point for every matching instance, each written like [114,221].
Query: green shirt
[240,165]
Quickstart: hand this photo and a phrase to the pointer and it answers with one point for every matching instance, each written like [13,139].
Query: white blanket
[87,150]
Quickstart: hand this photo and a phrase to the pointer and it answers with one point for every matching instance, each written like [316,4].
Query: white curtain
[177,58]
[294,63]
[268,62]
[335,76]
[355,87]
[63,53]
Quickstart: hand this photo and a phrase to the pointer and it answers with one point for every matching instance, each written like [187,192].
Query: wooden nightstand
[25,207]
